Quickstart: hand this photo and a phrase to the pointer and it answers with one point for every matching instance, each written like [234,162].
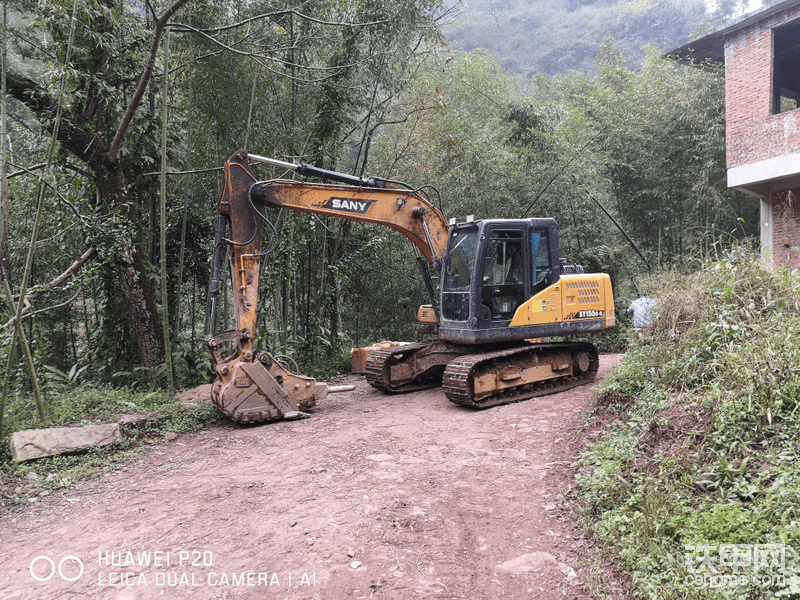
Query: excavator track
[516,374]
[379,367]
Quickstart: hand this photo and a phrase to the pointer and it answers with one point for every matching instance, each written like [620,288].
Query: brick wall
[786,228]
[753,133]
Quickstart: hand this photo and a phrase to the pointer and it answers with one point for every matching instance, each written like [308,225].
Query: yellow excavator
[502,289]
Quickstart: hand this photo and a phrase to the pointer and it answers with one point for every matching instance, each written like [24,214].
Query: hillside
[697,466]
[555,36]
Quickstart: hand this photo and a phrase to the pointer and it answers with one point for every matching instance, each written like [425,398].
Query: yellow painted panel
[573,298]
[541,308]
[426,314]
[584,296]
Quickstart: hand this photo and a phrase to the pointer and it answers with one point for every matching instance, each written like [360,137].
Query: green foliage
[663,162]
[333,361]
[364,87]
[83,405]
[59,378]
[332,83]
[455,137]
[702,442]
[318,77]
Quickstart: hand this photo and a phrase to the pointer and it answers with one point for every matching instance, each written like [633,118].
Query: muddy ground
[373,497]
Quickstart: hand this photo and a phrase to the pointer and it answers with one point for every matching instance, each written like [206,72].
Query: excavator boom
[367,200]
[251,385]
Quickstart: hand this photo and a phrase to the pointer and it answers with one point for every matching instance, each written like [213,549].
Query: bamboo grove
[119,116]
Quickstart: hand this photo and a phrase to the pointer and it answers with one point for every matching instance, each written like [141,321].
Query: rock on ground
[38,443]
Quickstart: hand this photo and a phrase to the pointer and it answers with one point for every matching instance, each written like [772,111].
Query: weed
[722,359]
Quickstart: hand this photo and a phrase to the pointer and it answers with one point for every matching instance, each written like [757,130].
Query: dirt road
[373,497]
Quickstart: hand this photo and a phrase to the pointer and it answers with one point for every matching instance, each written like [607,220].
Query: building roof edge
[712,45]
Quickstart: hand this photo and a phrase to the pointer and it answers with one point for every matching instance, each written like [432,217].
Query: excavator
[502,291]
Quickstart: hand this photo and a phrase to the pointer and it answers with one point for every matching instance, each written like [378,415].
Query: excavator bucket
[262,390]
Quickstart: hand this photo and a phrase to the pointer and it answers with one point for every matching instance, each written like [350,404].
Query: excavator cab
[494,269]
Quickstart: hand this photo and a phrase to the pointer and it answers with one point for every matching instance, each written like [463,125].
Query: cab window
[542,272]
[458,274]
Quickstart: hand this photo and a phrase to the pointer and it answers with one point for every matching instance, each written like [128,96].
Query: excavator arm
[251,385]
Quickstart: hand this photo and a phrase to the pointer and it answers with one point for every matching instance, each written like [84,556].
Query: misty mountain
[555,36]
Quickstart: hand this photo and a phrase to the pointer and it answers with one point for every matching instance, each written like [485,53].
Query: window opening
[542,273]
[786,67]
[503,276]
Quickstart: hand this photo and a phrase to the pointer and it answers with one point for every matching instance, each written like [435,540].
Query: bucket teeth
[293,416]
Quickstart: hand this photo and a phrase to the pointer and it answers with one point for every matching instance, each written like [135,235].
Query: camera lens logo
[47,559]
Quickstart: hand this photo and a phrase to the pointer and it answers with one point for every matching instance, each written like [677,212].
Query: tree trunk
[141,306]
[77,134]
[133,279]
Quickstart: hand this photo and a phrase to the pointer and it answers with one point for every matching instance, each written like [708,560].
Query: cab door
[544,258]
[505,279]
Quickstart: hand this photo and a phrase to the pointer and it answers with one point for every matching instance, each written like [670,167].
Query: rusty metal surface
[521,372]
[412,367]
[246,230]
[263,390]
[379,363]
[251,386]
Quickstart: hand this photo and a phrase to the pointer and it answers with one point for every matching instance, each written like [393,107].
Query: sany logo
[47,559]
[353,206]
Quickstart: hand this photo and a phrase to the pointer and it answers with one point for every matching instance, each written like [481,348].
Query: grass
[701,436]
[89,405]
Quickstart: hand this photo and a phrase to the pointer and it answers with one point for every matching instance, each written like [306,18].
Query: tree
[319,89]
[622,159]
[94,129]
